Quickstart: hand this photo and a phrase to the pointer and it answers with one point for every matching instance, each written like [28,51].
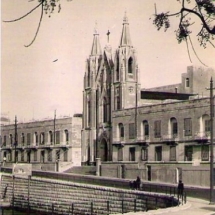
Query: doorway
[149,173]
[103,150]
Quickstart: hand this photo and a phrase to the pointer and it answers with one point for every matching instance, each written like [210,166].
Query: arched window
[121,131]
[51,137]
[23,138]
[88,78]
[187,82]
[36,138]
[205,125]
[117,69]
[173,127]
[89,113]
[145,129]
[66,132]
[105,112]
[42,138]
[117,99]
[11,139]
[130,65]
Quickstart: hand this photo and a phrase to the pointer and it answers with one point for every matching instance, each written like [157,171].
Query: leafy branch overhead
[204,10]
[47,6]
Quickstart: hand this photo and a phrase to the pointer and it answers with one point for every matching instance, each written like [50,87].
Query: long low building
[51,144]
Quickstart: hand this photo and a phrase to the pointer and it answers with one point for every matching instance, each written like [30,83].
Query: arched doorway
[103,150]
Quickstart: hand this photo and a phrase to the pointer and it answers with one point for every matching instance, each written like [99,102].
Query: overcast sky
[33,86]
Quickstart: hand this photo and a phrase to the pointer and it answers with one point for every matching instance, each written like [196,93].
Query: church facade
[110,84]
[144,132]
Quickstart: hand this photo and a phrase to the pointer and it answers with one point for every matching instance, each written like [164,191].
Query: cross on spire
[108,33]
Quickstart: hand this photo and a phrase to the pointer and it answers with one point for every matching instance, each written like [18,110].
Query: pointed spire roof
[125,37]
[96,48]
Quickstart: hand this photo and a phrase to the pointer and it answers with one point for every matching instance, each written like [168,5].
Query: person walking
[180,189]
[138,182]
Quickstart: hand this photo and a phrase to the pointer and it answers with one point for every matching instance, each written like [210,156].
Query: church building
[109,84]
[144,132]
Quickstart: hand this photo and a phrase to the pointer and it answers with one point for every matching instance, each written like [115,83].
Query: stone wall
[63,196]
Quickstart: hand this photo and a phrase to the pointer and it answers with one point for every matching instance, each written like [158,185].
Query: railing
[167,190]
[202,136]
[169,137]
[143,138]
[96,207]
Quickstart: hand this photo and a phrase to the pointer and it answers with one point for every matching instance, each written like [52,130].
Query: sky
[48,75]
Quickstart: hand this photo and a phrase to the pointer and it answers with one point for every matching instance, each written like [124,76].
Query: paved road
[192,207]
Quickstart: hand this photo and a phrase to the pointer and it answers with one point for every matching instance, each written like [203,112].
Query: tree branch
[211,31]
[41,17]
[14,20]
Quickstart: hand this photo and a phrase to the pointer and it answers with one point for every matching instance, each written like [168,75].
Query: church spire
[96,48]
[125,38]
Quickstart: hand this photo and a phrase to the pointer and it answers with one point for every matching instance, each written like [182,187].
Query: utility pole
[211,145]
[15,140]
[54,125]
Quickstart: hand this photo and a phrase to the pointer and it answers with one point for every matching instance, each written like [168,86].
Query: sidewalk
[193,206]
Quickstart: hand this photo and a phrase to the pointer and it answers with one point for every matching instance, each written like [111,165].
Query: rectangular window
[5,140]
[50,155]
[157,128]
[65,155]
[28,139]
[11,139]
[23,139]
[144,154]
[172,153]
[132,154]
[207,126]
[205,153]
[120,154]
[57,137]
[22,155]
[42,156]
[158,153]
[35,155]
[131,130]
[57,155]
[188,153]
[187,127]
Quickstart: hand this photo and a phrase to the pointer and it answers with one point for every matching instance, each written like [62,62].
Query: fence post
[185,197]
[108,207]
[72,208]
[174,191]
[135,205]
[170,192]
[91,208]
[156,201]
[182,198]
[146,205]
[52,208]
[122,206]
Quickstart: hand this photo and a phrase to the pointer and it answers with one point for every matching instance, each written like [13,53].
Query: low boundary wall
[46,194]
[158,187]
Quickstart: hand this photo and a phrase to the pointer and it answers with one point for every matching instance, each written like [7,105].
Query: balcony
[118,141]
[169,138]
[202,137]
[143,139]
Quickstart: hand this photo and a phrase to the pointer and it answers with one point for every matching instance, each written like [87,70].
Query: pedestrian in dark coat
[180,189]
[138,182]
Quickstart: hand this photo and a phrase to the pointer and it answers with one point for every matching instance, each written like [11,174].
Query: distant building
[137,131]
[38,145]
